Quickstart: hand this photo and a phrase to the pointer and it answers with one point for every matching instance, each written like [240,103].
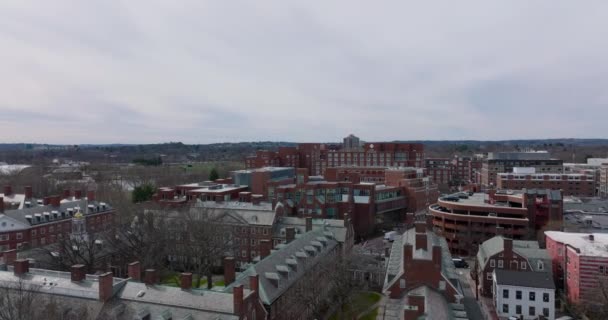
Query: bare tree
[16,301]
[201,241]
[25,301]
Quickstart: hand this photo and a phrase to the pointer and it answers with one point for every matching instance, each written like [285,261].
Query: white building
[530,294]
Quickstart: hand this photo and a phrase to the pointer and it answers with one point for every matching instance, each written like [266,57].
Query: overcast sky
[214,71]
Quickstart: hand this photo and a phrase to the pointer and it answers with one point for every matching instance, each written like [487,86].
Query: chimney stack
[134,270]
[55,201]
[290,234]
[8,190]
[46,201]
[420,227]
[256,199]
[254,284]
[421,241]
[591,237]
[9,256]
[237,299]
[1,204]
[265,247]
[90,195]
[507,245]
[66,193]
[77,194]
[78,273]
[151,277]
[28,192]
[437,256]
[21,267]
[185,281]
[308,224]
[229,270]
[106,282]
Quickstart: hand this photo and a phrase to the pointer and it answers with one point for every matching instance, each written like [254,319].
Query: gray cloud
[203,71]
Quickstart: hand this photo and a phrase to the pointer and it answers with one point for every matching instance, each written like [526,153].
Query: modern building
[27,222]
[603,181]
[440,170]
[263,180]
[468,219]
[102,296]
[420,274]
[502,162]
[580,264]
[526,295]
[316,157]
[204,191]
[351,143]
[500,253]
[572,184]
[356,174]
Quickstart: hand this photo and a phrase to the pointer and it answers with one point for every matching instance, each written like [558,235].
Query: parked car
[390,236]
[460,263]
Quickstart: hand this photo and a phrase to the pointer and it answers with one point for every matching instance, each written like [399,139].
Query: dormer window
[541,265]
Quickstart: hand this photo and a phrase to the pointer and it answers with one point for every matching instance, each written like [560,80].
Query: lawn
[371,315]
[172,280]
[360,302]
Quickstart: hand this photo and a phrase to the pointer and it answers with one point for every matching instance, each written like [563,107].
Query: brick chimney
[91,195]
[437,256]
[185,280]
[46,200]
[290,234]
[591,237]
[237,299]
[420,227]
[8,190]
[78,273]
[256,199]
[106,282]
[416,307]
[308,224]
[9,256]
[21,267]
[408,253]
[28,192]
[254,284]
[151,277]
[1,204]
[229,270]
[421,241]
[55,201]
[134,271]
[507,245]
[265,247]
[78,194]
[66,193]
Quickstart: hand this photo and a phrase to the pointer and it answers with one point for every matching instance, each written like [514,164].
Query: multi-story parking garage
[468,219]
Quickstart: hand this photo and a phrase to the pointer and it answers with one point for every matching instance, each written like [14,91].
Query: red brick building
[26,222]
[508,254]
[316,157]
[574,184]
[420,267]
[440,170]
[468,219]
[580,264]
[355,174]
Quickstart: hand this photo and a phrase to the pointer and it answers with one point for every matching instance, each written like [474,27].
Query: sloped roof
[542,280]
[527,249]
[267,267]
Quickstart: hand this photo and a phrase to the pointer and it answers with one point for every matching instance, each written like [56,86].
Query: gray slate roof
[267,267]
[527,249]
[19,214]
[524,279]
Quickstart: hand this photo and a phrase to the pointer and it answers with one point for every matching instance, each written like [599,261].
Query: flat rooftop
[581,241]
